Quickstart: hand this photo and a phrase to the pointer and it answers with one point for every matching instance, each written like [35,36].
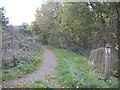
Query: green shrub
[24,68]
[78,50]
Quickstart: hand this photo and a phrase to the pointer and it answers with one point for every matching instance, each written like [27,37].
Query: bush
[78,50]
[18,58]
[28,66]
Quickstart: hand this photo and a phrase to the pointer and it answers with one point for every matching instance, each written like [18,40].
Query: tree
[3,20]
[83,25]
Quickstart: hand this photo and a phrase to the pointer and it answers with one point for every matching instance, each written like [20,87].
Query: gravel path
[46,68]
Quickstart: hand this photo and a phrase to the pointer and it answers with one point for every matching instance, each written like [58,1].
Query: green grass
[32,86]
[74,71]
[36,84]
[23,69]
[38,81]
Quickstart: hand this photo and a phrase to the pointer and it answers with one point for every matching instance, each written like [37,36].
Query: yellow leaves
[29,27]
[77,39]
[116,47]
[114,35]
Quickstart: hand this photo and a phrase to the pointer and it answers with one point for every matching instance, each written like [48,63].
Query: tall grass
[74,71]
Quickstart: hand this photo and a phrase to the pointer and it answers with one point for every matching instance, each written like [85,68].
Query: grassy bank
[24,69]
[74,71]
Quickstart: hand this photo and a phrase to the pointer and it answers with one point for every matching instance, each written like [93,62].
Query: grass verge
[32,86]
[23,69]
[35,84]
[74,71]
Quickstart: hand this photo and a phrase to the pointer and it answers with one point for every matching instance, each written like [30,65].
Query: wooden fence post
[1,32]
[107,61]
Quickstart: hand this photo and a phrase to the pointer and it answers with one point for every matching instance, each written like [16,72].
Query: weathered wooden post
[1,32]
[107,61]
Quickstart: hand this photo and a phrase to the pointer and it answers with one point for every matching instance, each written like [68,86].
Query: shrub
[78,50]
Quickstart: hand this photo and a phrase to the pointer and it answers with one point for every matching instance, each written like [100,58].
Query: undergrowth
[25,68]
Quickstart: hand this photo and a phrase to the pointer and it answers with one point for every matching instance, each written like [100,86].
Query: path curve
[47,67]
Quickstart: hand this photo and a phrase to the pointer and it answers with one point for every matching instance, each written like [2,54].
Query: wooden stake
[107,61]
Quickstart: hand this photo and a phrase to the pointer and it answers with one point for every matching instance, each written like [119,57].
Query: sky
[20,11]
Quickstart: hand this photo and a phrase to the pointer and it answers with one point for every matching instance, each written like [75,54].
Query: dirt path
[46,68]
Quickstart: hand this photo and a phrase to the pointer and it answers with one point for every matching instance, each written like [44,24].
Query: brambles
[19,52]
[17,47]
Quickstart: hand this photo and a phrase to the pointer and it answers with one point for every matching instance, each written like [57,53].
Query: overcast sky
[19,11]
